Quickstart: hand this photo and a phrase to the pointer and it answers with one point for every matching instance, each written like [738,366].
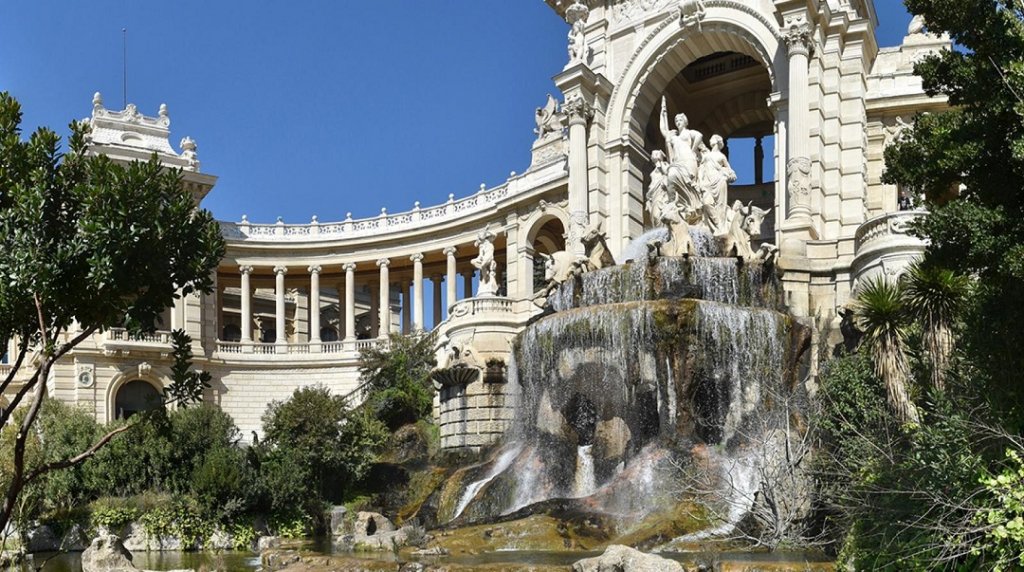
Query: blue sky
[311,108]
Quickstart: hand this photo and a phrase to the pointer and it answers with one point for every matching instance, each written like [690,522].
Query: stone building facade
[804,80]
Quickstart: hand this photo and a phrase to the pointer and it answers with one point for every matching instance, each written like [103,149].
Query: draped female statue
[683,146]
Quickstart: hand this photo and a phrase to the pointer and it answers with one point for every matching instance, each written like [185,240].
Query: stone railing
[381,224]
[885,227]
[124,336]
[235,350]
[484,305]
[385,222]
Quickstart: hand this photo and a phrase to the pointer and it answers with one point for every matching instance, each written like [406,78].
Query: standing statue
[577,42]
[715,176]
[486,264]
[683,146]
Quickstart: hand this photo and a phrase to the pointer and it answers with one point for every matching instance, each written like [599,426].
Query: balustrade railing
[483,305]
[380,224]
[123,335]
[886,225]
[238,349]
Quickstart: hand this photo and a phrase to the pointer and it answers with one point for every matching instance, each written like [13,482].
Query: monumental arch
[802,81]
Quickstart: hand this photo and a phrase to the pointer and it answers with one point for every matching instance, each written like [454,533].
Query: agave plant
[935,297]
[881,313]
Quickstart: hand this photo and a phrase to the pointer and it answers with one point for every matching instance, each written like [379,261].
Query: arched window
[134,397]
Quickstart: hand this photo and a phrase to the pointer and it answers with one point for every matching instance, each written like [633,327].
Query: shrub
[397,378]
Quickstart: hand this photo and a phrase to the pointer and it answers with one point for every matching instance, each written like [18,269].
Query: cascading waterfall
[641,367]
[500,466]
[586,482]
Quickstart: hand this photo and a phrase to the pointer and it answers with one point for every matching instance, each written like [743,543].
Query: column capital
[577,109]
[280,269]
[450,251]
[418,257]
[797,33]
[383,262]
[246,269]
[315,269]
[349,267]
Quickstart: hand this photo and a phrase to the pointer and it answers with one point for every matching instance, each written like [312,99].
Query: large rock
[106,553]
[42,539]
[625,559]
[371,523]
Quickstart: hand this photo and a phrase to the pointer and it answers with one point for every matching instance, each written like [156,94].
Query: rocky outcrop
[619,558]
[106,553]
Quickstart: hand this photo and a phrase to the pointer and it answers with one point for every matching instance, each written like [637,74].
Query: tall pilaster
[798,35]
[314,303]
[280,336]
[246,304]
[579,113]
[384,298]
[417,292]
[350,301]
[450,254]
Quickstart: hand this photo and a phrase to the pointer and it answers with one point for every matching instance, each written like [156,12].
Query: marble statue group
[689,187]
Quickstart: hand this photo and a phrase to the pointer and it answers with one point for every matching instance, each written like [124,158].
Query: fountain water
[643,372]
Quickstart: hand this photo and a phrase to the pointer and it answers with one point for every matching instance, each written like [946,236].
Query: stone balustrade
[885,246]
[256,350]
[474,306]
[122,337]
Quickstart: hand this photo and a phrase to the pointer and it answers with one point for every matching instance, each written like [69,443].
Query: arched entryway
[724,74]
[136,396]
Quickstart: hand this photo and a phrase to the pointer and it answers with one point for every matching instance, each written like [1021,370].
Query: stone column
[579,112]
[407,307]
[799,40]
[759,161]
[467,284]
[246,304]
[436,279]
[384,298]
[417,291]
[279,332]
[350,301]
[314,303]
[452,296]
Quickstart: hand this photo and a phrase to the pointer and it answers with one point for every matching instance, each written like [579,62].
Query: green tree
[979,144]
[935,297]
[880,312]
[397,378]
[316,449]
[90,241]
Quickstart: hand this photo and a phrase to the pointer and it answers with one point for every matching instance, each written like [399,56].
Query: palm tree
[880,312]
[935,296]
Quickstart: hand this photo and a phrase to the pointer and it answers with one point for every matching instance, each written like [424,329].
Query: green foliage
[290,527]
[979,143]
[243,537]
[113,517]
[1004,519]
[397,379]
[92,241]
[315,449]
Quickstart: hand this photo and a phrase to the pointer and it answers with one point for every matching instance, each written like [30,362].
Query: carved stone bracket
[692,13]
